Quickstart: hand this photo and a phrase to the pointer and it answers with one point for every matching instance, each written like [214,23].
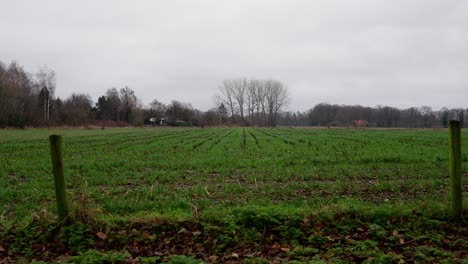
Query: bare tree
[444,116]
[17,100]
[158,108]
[114,103]
[45,77]
[427,114]
[129,103]
[239,86]
[263,99]
[251,95]
[77,109]
[280,99]
[260,103]
[180,112]
[109,106]
[45,84]
[276,95]
[227,98]
[269,100]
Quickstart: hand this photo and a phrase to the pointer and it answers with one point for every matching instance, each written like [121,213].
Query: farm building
[360,123]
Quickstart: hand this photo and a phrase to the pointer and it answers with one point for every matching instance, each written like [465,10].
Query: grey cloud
[399,53]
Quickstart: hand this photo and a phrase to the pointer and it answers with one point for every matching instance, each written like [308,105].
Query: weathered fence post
[456,209]
[59,180]
[244,139]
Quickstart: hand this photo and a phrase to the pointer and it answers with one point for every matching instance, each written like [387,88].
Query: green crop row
[210,175]
[162,170]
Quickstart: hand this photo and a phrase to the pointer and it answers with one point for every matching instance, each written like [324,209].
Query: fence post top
[55,136]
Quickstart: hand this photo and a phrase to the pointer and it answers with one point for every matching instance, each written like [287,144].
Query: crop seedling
[337,195]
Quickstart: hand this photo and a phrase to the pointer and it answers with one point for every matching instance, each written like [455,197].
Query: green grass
[215,175]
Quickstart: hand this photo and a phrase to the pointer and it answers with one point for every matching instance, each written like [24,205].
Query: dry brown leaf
[395,232]
[276,246]
[213,258]
[147,235]
[101,235]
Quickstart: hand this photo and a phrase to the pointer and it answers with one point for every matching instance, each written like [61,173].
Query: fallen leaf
[2,249]
[402,240]
[147,235]
[276,246]
[395,232]
[285,249]
[182,231]
[101,235]
[235,255]
[213,258]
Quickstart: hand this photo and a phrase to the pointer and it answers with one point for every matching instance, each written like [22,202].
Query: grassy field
[252,195]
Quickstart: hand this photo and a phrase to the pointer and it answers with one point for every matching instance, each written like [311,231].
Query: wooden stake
[456,208]
[59,180]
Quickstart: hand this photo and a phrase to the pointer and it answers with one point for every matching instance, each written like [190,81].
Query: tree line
[24,97]
[28,99]
[329,115]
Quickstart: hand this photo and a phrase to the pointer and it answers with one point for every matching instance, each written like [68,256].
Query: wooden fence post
[59,180]
[244,139]
[456,208]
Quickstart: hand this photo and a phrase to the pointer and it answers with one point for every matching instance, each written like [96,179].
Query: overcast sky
[399,53]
